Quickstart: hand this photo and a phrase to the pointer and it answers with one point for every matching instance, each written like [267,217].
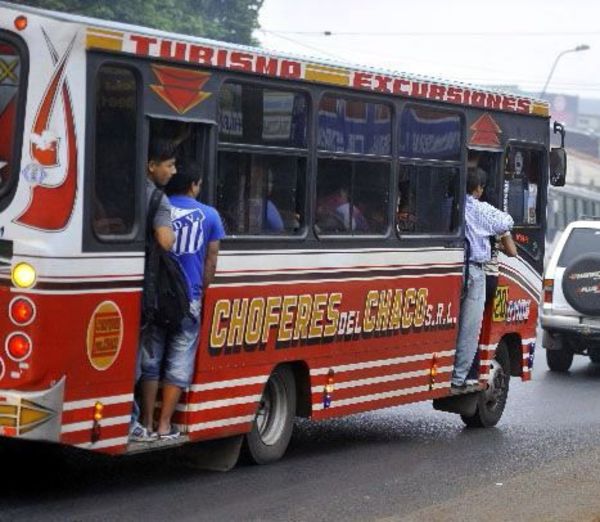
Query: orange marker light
[21,23]
[22,310]
[18,346]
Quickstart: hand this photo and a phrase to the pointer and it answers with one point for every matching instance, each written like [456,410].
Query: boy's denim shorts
[170,357]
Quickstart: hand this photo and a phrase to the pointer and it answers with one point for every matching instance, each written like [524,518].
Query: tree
[229,20]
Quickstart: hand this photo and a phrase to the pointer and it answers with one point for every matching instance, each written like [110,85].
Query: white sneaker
[140,433]
[472,382]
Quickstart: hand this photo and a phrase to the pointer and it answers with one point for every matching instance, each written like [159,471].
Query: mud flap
[462,404]
[213,455]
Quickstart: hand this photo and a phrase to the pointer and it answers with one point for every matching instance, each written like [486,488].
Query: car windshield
[581,241]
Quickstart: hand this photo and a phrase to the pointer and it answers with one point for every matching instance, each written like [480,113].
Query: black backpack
[165,300]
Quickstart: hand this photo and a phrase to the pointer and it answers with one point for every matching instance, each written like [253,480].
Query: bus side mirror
[558,167]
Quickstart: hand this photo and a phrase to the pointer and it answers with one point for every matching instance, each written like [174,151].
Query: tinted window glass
[260,193]
[115,151]
[352,197]
[581,241]
[355,126]
[427,199]
[430,134]
[259,116]
[522,175]
[10,80]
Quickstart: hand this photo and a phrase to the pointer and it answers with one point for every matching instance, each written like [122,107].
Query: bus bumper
[32,415]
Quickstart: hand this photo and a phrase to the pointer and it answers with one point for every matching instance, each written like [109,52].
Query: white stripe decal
[380,362]
[87,425]
[89,403]
[232,421]
[107,443]
[217,385]
[376,380]
[223,403]
[378,396]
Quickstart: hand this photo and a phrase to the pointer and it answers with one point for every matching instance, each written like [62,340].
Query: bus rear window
[581,241]
[11,91]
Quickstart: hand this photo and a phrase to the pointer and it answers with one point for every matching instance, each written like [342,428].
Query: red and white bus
[342,192]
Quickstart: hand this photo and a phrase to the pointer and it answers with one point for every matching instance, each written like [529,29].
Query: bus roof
[142,41]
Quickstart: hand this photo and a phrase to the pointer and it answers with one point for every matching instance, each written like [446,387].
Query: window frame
[8,191]
[273,150]
[135,240]
[459,164]
[355,156]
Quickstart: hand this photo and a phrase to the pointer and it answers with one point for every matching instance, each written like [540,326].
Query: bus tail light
[328,390]
[23,275]
[18,346]
[433,372]
[548,290]
[22,311]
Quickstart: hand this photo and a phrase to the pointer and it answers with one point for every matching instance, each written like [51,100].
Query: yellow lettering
[271,316]
[409,300]
[287,318]
[237,323]
[333,315]
[218,334]
[383,312]
[371,301]
[316,325]
[303,316]
[421,308]
[256,313]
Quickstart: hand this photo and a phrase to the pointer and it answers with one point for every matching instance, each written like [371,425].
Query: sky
[484,42]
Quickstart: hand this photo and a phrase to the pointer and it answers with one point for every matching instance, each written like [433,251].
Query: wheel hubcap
[496,391]
[272,412]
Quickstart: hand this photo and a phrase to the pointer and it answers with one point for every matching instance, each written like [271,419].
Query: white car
[570,316]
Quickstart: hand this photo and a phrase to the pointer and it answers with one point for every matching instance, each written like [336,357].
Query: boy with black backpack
[198,230]
[161,168]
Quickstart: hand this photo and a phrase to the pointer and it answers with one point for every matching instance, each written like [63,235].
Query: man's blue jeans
[469,327]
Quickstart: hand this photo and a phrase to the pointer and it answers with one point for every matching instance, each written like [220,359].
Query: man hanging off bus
[482,220]
[170,357]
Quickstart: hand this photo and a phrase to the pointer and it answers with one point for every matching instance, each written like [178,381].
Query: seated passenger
[336,214]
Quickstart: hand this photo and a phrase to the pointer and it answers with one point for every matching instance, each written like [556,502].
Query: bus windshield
[10,75]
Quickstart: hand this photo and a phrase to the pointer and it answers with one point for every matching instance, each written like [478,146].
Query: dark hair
[161,150]
[188,172]
[475,178]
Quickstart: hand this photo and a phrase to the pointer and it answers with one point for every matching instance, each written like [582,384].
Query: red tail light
[22,311]
[18,346]
[548,290]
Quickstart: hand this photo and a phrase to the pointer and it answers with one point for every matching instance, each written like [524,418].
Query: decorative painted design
[50,206]
[22,416]
[486,132]
[104,335]
[180,88]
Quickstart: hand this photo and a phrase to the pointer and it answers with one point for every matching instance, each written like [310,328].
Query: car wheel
[492,401]
[559,360]
[274,422]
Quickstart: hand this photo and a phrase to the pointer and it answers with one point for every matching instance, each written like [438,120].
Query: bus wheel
[492,400]
[559,360]
[272,427]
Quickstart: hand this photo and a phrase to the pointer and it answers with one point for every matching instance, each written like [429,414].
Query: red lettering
[494,101]
[478,99]
[419,90]
[142,44]
[200,54]
[241,61]
[454,94]
[362,80]
[166,50]
[290,69]
[437,92]
[382,83]
[399,86]
[466,97]
[266,65]
[222,58]
[524,106]
[509,103]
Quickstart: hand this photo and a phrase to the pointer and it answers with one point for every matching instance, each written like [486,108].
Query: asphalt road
[408,463]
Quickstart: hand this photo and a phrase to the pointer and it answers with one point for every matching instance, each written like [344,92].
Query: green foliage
[228,20]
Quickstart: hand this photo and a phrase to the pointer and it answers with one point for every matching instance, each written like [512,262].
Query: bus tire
[559,360]
[492,401]
[274,421]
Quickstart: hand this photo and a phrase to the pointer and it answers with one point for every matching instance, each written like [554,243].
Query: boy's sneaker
[472,382]
[173,433]
[139,433]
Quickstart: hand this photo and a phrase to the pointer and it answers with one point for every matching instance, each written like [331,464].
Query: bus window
[427,199]
[115,157]
[352,197]
[261,193]
[522,174]
[11,78]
